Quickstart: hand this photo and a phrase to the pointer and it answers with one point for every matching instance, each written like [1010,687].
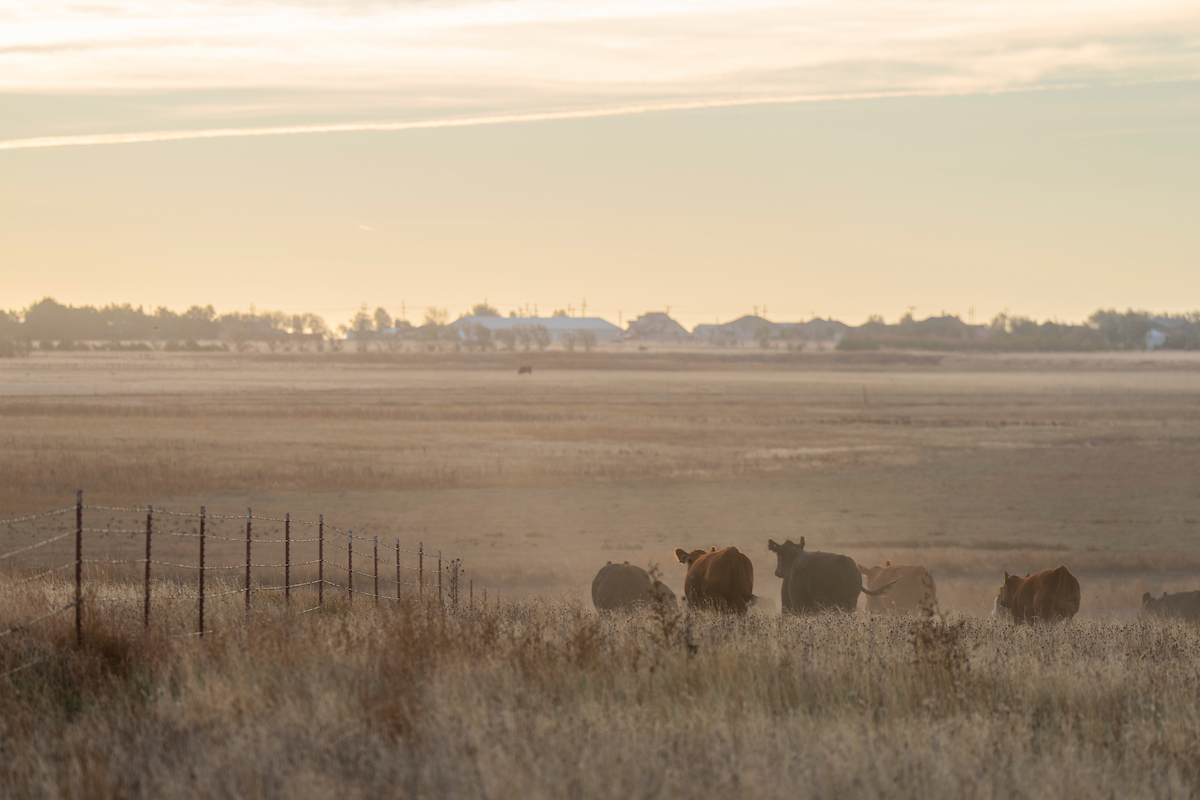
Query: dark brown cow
[625,586]
[1047,595]
[913,589]
[722,580]
[817,581]
[1181,605]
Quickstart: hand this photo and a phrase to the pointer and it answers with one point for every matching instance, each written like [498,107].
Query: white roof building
[603,330]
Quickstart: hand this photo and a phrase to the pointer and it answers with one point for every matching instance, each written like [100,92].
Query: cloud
[434,63]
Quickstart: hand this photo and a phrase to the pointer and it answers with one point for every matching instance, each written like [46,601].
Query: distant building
[557,327]
[1154,339]
[655,326]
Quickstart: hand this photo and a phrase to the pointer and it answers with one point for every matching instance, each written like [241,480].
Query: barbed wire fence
[169,581]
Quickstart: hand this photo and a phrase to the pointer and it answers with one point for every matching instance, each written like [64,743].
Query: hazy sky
[837,158]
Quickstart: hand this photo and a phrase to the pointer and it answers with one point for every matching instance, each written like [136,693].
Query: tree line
[1106,329]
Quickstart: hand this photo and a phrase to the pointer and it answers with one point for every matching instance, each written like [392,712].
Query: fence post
[149,528]
[421,570]
[202,570]
[287,559]
[321,560]
[440,603]
[397,571]
[454,583]
[350,566]
[79,566]
[248,517]
[376,571]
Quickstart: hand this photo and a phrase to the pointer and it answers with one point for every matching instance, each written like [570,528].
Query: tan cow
[722,580]
[625,586]
[1051,594]
[913,589]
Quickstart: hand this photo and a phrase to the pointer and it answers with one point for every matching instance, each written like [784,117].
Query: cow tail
[882,589]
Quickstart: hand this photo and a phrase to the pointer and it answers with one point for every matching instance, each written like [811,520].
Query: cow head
[870,572]
[786,553]
[684,557]
[1006,593]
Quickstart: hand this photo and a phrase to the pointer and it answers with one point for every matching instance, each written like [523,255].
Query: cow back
[620,586]
[722,580]
[1051,594]
[821,581]
[912,590]
[1182,605]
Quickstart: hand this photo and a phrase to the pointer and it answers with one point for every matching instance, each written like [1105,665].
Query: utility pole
[583,308]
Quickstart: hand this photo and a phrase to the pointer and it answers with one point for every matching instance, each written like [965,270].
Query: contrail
[465,122]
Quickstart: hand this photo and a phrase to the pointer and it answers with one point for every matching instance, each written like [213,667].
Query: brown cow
[625,586]
[722,580]
[913,589]
[1181,605]
[1047,595]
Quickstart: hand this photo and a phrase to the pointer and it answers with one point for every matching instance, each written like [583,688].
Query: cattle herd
[723,580]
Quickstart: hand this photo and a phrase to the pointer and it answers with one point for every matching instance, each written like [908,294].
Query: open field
[968,465]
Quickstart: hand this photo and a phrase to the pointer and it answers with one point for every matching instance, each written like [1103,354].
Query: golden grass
[545,700]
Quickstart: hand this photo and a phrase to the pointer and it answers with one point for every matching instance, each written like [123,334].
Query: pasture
[968,465]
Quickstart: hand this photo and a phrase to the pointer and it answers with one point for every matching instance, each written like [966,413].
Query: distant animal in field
[1051,594]
[722,580]
[1181,605]
[626,587]
[912,589]
[817,581]
[525,370]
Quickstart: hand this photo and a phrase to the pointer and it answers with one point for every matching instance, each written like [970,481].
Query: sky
[709,157]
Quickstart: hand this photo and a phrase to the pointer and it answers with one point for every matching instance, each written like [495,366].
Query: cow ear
[681,555]
[887,563]
[1006,576]
[772,545]
[609,564]
[801,542]
[713,549]
[1146,598]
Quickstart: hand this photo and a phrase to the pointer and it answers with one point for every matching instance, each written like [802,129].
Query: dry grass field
[968,465]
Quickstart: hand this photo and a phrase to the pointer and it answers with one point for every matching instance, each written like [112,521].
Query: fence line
[449,570]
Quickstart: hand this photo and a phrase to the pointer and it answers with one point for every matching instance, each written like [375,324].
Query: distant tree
[508,338]
[569,339]
[524,334]
[383,320]
[512,314]
[560,312]
[541,336]
[763,335]
[436,316]
[588,340]
[484,310]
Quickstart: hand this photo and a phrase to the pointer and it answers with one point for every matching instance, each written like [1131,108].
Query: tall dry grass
[549,700]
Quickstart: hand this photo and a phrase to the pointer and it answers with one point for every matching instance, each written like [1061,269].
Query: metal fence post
[350,566]
[397,569]
[201,570]
[79,566]
[376,571]
[149,528]
[248,518]
[321,560]
[287,559]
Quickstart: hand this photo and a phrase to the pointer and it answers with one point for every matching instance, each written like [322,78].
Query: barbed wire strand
[36,545]
[35,620]
[43,515]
